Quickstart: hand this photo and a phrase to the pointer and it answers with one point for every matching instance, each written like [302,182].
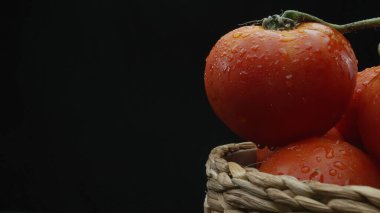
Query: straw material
[234,186]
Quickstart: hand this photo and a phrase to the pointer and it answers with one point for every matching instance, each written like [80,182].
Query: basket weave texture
[234,186]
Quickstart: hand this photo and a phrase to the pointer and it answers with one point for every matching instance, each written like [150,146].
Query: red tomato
[324,160]
[264,153]
[275,87]
[369,117]
[348,126]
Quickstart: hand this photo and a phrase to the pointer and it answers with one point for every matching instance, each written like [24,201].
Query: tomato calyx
[289,19]
[277,22]
[344,28]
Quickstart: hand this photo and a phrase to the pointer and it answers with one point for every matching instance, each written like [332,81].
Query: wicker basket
[235,187]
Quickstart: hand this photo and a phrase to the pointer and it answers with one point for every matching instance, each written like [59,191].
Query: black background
[103,104]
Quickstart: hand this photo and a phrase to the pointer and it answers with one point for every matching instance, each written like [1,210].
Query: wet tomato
[324,160]
[274,87]
[264,153]
[348,126]
[369,117]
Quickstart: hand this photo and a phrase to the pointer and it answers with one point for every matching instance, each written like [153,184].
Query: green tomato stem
[345,28]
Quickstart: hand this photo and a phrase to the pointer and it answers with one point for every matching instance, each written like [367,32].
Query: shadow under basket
[235,186]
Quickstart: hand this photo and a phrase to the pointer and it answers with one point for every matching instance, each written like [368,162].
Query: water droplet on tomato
[287,38]
[340,176]
[318,159]
[276,62]
[243,72]
[316,175]
[293,147]
[227,68]
[339,165]
[237,34]
[295,60]
[242,51]
[254,47]
[259,66]
[307,58]
[330,154]
[234,49]
[332,172]
[305,169]
[342,151]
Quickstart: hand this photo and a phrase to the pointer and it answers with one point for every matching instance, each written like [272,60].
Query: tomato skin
[264,153]
[348,126]
[324,160]
[369,117]
[275,87]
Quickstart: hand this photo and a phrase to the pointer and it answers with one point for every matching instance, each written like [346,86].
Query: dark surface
[104,108]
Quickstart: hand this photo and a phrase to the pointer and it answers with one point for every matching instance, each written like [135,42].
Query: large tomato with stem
[369,117]
[277,86]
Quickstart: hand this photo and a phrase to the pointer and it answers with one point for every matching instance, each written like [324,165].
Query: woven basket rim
[234,187]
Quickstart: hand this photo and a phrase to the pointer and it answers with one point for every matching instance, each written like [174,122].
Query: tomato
[264,153]
[274,87]
[347,126]
[369,117]
[324,160]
